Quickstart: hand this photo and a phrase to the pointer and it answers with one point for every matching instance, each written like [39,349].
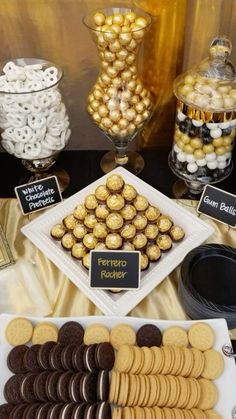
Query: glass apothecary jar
[205,120]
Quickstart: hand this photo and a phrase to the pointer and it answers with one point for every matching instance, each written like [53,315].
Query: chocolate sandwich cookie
[149,335]
[27,388]
[103,385]
[66,357]
[74,387]
[90,411]
[103,411]
[39,386]
[71,332]
[51,386]
[12,391]
[31,359]
[77,358]
[43,355]
[18,411]
[66,411]
[89,358]
[31,411]
[87,385]
[42,412]
[63,387]
[55,357]
[55,411]
[15,359]
[105,356]
[6,410]
[78,412]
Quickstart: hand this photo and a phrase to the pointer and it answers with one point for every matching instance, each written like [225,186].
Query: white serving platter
[197,231]
[225,384]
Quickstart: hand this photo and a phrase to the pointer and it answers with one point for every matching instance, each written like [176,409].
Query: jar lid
[210,86]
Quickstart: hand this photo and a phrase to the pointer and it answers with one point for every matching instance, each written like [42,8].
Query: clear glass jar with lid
[206,119]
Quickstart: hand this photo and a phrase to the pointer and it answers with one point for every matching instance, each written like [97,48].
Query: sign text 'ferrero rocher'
[115,269]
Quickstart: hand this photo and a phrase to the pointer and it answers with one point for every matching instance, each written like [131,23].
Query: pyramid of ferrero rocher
[117,217]
[119,103]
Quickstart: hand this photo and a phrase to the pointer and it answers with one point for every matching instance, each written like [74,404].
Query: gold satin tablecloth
[66,299]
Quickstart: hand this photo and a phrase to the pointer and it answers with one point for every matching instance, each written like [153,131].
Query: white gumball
[233,123]
[221,158]
[222,164]
[228,155]
[197,123]
[224,125]
[212,165]
[212,125]
[192,167]
[201,162]
[216,133]
[181,116]
[190,158]
[210,157]
[181,157]
[177,149]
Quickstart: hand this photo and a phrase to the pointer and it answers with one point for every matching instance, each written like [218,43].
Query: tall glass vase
[119,103]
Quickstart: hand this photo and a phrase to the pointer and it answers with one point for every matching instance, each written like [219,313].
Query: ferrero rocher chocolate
[144,262]
[115,202]
[102,193]
[100,231]
[164,242]
[115,183]
[114,221]
[121,223]
[68,241]
[153,252]
[91,202]
[141,203]
[80,212]
[90,241]
[152,213]
[58,231]
[128,212]
[79,231]
[177,233]
[78,250]
[113,241]
[164,223]
[70,222]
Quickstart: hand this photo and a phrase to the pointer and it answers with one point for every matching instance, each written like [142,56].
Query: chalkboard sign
[115,269]
[38,195]
[219,205]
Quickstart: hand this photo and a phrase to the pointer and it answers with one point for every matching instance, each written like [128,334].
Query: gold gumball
[95,105]
[97,118]
[118,19]
[112,104]
[131,128]
[123,132]
[130,114]
[143,93]
[138,32]
[130,16]
[112,92]
[141,21]
[125,96]
[208,148]
[139,88]
[115,46]
[115,115]
[119,65]
[134,100]
[109,20]
[91,98]
[105,65]
[188,149]
[146,114]
[126,75]
[115,129]
[123,123]
[138,120]
[131,85]
[227,140]
[112,71]
[228,148]
[105,78]
[117,82]
[106,98]
[104,28]
[101,41]
[180,144]
[132,45]
[122,54]
[196,143]
[189,79]
[185,138]
[90,109]
[97,93]
[124,106]
[220,151]
[110,35]
[130,59]
[140,107]
[109,56]
[106,122]
[147,102]
[218,142]
[99,19]
[116,28]
[198,154]
[103,111]
[125,38]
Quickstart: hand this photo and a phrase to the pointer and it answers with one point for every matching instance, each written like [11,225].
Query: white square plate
[196,232]
[225,384]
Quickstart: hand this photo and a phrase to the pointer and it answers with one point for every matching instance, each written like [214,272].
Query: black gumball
[182,127]
[193,132]
[188,123]
[204,131]
[207,140]
[226,131]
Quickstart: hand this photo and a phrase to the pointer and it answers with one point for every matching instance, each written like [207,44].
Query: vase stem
[121,157]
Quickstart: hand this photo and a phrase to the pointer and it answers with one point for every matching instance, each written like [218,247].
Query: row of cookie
[162,413]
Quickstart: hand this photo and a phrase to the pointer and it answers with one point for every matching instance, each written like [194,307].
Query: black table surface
[83,168]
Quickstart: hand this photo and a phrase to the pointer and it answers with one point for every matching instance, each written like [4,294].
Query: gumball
[185,89]
[130,16]
[229,102]
[97,118]
[90,109]
[103,111]
[118,19]
[109,56]
[130,114]
[115,28]
[125,38]
[222,165]
[115,129]
[123,123]
[99,19]
[190,97]
[218,142]
[201,162]
[117,82]
[91,98]
[217,103]
[126,75]
[106,122]
[227,140]
[224,89]
[115,115]
[131,128]
[208,148]
[132,45]
[220,151]
[113,104]
[112,71]
[189,79]
[105,97]
[139,88]
[192,167]
[97,93]
[196,143]
[130,59]
[188,149]
[126,96]
[210,157]
[202,101]
[190,158]
[119,65]
[110,35]
[95,105]
[141,21]
[199,154]
[146,114]
[134,99]
[105,78]
[104,65]
[180,144]
[122,54]
[181,157]
[216,133]
[147,102]
[131,85]
[138,120]
[112,92]
[133,69]
[212,165]
[109,20]
[228,148]
[123,132]
[137,31]
[115,46]
[124,106]
[101,41]
[140,107]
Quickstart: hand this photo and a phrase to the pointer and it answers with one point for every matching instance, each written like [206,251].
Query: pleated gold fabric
[67,300]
